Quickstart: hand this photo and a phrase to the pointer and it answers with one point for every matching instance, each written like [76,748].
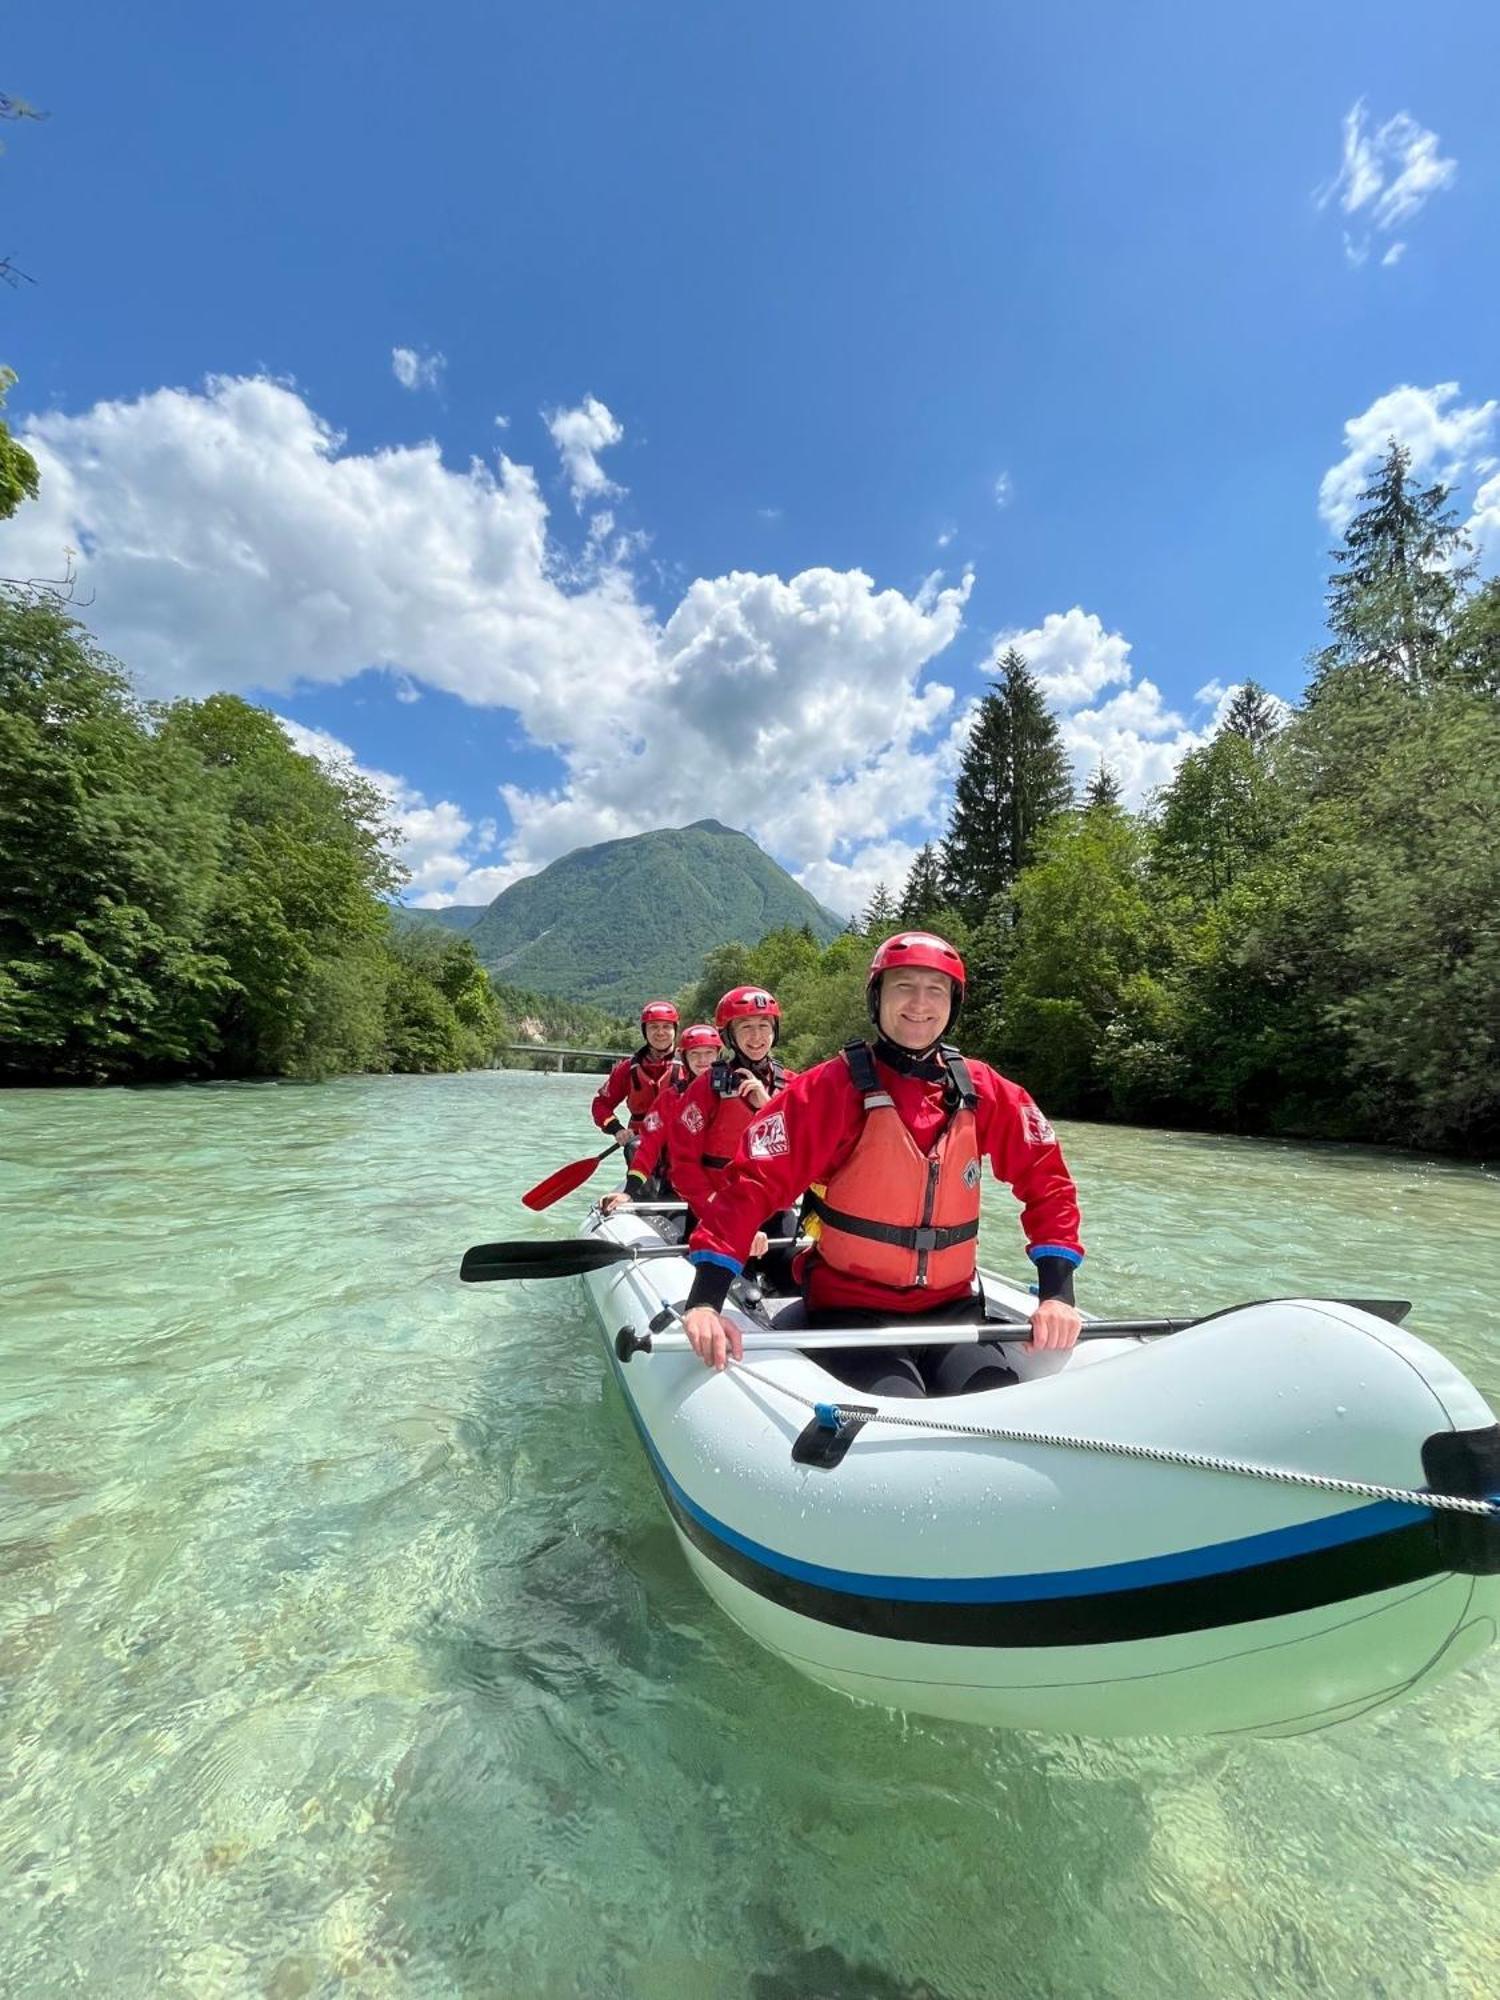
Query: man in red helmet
[697,1047]
[888,1137]
[636,1080]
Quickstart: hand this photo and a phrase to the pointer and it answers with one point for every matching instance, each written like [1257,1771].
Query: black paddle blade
[573,1257]
[488,1261]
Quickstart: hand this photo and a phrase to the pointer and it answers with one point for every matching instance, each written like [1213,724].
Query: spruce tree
[1400,581]
[1102,789]
[1014,777]
[1253,715]
[882,915]
[922,897]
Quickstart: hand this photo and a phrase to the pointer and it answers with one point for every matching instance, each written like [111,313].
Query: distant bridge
[609,1057]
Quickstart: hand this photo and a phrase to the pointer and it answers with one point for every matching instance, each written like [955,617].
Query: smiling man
[888,1138]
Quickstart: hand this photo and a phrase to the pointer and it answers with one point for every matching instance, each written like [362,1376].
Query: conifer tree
[1253,715]
[1102,789]
[882,915]
[922,897]
[1014,777]
[1400,581]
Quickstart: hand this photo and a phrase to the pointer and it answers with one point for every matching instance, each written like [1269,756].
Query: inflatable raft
[1147,1536]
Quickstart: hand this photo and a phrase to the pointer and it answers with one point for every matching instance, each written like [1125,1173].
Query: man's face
[660,1035]
[753,1039]
[698,1060]
[914,1006]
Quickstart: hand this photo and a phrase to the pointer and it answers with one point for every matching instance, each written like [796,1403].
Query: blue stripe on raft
[1219,1559]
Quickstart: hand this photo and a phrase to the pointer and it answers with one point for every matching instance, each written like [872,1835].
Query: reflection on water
[346,1649]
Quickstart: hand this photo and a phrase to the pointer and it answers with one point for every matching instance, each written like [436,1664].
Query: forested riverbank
[184,895]
[1299,935]
[1296,936]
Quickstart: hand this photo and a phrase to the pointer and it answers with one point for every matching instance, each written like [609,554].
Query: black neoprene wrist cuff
[711,1284]
[1054,1279]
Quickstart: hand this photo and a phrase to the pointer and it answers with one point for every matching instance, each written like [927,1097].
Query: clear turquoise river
[345,1648]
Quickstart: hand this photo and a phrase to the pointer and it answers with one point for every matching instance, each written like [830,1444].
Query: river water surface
[345,1648]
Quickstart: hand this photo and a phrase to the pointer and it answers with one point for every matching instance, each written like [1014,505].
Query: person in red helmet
[651,1168]
[635,1081]
[889,1137]
[718,1106]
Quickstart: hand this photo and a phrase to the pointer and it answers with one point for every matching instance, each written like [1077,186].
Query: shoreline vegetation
[1297,937]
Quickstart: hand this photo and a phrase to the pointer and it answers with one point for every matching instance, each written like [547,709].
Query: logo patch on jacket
[1038,1131]
[971,1174]
[692,1118]
[766,1138]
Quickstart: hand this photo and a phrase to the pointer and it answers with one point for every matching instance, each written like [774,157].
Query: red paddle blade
[555,1186]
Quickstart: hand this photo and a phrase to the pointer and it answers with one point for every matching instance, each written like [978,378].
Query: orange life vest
[731,1113]
[641,1095]
[893,1214]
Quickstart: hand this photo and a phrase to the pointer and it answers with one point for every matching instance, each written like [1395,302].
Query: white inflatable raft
[1063,1587]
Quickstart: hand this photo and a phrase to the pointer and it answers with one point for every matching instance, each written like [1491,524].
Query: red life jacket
[731,1113]
[646,1075]
[892,1214]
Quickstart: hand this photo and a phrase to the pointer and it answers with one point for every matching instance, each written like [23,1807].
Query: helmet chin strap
[923,1063]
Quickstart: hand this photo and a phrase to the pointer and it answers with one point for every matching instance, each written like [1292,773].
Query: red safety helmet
[921,948]
[748,1003]
[699,1036]
[659,1010]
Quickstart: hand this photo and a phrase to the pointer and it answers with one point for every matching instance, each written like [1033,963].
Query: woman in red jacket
[697,1047]
[719,1105]
[889,1137]
[636,1080]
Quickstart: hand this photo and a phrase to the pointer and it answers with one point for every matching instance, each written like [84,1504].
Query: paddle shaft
[930,1333]
[756,1340]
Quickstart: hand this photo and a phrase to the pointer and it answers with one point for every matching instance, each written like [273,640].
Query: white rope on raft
[1446,1503]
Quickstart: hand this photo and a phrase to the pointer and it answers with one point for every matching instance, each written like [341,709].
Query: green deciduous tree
[1222,811]
[1086,940]
[441,1011]
[1422,1013]
[19,479]
[108,859]
[298,916]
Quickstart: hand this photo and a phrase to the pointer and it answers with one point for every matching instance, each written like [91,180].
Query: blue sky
[596,417]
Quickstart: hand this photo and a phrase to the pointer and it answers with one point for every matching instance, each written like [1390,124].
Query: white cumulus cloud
[580,435]
[438,844]
[1484,523]
[1442,434]
[1075,660]
[1387,175]
[230,540]
[415,370]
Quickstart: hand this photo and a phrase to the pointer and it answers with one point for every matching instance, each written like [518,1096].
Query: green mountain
[457,916]
[617,923]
